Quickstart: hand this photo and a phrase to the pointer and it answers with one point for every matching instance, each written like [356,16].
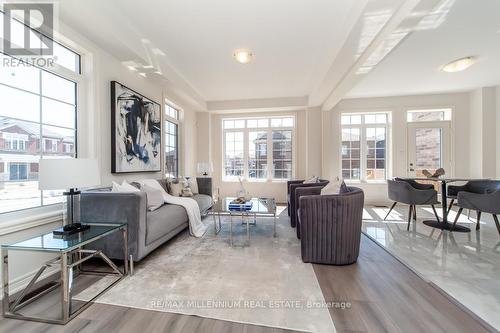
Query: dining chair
[414,194]
[472,186]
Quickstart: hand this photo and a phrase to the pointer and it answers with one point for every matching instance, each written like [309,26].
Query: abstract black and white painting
[135,131]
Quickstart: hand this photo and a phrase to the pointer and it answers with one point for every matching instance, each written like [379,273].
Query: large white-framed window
[259,149]
[171,129]
[38,119]
[365,146]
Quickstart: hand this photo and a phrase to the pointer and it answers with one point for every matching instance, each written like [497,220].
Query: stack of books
[240,206]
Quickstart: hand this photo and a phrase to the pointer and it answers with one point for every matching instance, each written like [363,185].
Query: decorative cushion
[154,184]
[193,184]
[332,187]
[124,187]
[176,189]
[311,180]
[154,196]
[344,188]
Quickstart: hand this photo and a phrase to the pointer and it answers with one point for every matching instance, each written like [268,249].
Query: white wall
[377,193]
[483,128]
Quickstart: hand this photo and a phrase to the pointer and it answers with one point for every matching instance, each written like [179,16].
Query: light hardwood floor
[386,296]
[99,318]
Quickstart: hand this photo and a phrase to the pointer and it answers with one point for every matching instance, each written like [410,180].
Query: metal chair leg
[435,213]
[410,214]
[415,213]
[478,220]
[390,210]
[451,204]
[496,222]
[456,218]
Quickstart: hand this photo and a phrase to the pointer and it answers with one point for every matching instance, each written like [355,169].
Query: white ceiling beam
[397,27]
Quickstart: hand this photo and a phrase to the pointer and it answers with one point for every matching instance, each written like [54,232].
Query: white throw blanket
[196,227]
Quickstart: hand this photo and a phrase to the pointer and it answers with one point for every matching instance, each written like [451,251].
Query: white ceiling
[471,28]
[294,41]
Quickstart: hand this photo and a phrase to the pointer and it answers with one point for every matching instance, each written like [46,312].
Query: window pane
[171,151]
[287,122]
[57,113]
[54,140]
[276,122]
[229,124]
[429,115]
[282,154]
[252,123]
[24,77]
[19,104]
[233,156]
[375,153]
[67,58]
[58,88]
[257,155]
[239,124]
[262,123]
[351,153]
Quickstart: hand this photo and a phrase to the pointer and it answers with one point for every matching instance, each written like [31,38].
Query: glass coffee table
[264,207]
[69,255]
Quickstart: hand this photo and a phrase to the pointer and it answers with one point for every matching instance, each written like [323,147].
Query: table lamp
[69,174]
[204,168]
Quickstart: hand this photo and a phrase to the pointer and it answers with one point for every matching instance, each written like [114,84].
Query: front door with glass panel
[428,148]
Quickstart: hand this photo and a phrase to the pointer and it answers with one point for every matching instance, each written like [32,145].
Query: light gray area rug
[464,265]
[264,284]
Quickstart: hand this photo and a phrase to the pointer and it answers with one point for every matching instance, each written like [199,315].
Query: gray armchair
[487,202]
[473,186]
[413,194]
[330,225]
[292,185]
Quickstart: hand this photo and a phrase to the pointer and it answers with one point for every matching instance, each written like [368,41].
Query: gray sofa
[146,230]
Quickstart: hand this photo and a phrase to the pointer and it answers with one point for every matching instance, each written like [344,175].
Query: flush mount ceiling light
[243,56]
[459,65]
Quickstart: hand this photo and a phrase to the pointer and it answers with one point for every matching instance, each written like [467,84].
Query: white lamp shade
[68,173]
[204,167]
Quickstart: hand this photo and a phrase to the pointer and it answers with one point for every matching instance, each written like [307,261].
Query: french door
[429,148]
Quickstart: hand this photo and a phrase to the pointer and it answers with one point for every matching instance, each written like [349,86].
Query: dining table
[444,224]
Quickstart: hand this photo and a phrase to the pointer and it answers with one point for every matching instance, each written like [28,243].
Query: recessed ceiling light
[459,64]
[243,56]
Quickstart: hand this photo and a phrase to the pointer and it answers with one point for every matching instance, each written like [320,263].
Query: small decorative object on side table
[70,255]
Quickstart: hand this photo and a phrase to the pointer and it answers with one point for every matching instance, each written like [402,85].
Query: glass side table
[70,255]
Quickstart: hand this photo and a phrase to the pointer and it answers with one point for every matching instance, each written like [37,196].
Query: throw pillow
[344,188]
[332,187]
[176,189]
[311,180]
[154,184]
[154,197]
[193,184]
[124,187]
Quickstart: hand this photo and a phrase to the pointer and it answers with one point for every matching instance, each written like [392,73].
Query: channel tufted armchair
[330,225]
[292,185]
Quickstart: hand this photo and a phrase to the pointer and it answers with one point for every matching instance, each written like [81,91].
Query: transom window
[429,115]
[258,149]
[364,146]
